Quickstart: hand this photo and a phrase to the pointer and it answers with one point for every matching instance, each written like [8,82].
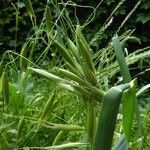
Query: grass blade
[127,78]
[5,88]
[84,49]
[64,146]
[80,36]
[48,20]
[121,60]
[64,52]
[23,56]
[74,49]
[48,107]
[29,8]
[107,118]
[86,55]
[48,75]
[20,128]
[58,137]
[62,82]
[128,108]
[72,76]
[143,89]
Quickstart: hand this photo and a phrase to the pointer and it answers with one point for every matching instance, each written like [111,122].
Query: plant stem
[91,121]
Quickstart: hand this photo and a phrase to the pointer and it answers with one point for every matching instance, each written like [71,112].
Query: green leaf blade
[107,118]
[128,107]
[121,60]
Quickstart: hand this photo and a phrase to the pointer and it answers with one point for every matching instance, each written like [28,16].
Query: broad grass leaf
[128,108]
[107,119]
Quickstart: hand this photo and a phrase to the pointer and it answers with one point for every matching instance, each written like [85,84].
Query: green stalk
[75,145]
[58,137]
[5,88]
[91,122]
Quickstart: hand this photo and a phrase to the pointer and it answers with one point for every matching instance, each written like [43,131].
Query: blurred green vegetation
[15,25]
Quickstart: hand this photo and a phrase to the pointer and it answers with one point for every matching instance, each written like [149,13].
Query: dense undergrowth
[60,92]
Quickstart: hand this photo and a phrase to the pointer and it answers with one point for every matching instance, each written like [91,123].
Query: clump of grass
[79,70]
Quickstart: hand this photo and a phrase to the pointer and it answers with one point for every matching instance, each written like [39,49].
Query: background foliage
[11,9]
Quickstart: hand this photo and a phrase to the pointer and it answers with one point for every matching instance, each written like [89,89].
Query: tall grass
[76,95]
